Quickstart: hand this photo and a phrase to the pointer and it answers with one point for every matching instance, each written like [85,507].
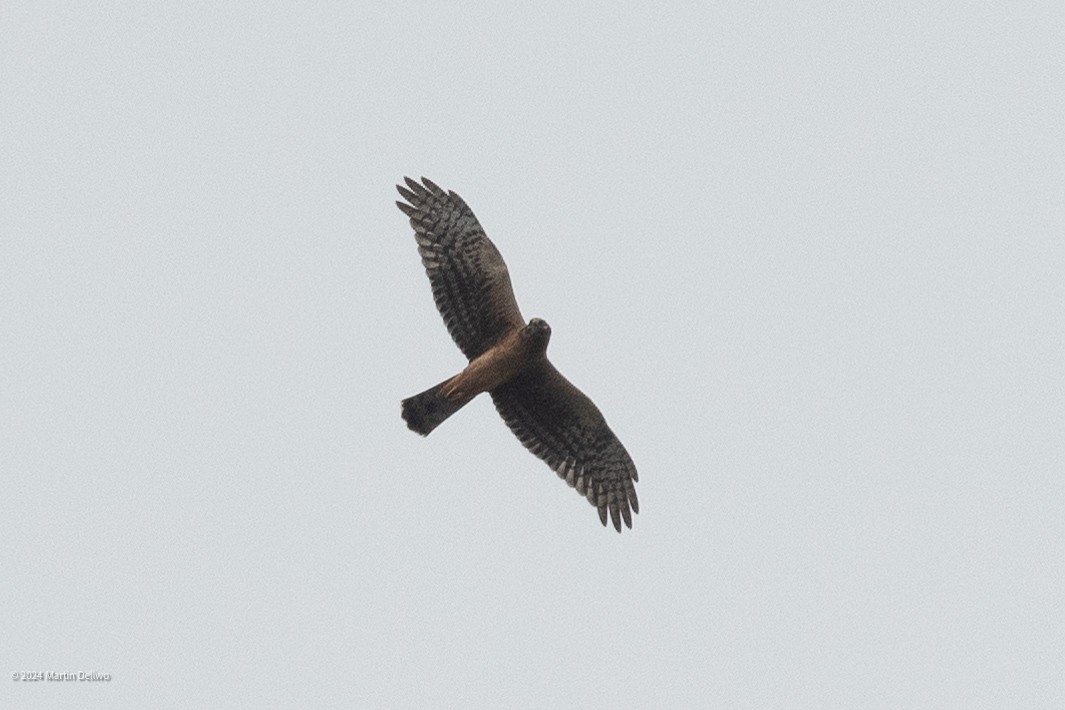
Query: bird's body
[502,361]
[508,358]
[494,367]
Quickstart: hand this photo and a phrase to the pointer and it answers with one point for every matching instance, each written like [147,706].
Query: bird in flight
[508,358]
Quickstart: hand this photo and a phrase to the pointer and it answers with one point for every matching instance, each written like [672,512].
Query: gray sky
[806,257]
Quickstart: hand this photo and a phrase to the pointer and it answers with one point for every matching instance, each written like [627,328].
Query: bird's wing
[558,423]
[471,285]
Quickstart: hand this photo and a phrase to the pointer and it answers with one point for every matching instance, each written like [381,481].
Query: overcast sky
[807,258]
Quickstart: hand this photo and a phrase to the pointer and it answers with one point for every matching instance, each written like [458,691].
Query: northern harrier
[508,359]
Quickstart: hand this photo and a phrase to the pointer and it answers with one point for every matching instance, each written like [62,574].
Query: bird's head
[536,334]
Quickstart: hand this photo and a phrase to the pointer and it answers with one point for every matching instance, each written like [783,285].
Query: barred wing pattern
[558,423]
[471,285]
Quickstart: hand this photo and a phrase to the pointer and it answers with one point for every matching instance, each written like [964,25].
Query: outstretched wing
[558,423]
[471,285]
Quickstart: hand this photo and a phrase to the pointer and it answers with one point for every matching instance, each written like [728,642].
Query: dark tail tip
[416,414]
[428,410]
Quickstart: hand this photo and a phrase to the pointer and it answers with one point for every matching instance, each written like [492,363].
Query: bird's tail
[426,411]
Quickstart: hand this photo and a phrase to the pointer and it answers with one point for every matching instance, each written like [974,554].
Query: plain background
[806,257]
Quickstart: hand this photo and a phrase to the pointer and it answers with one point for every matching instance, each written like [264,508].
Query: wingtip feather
[433,187]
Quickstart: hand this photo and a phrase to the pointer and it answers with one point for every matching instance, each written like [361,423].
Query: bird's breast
[493,367]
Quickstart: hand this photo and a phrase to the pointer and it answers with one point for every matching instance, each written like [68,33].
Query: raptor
[508,358]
